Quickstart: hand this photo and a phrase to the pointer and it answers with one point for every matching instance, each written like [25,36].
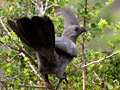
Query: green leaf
[94,25]
[108,85]
[91,14]
[62,2]
[99,4]
[107,3]
[11,8]
[93,35]
[87,27]
[111,1]
[112,24]
[57,23]
[97,12]
[16,83]
[103,23]
[117,39]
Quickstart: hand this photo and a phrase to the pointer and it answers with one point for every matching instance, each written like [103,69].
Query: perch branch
[94,62]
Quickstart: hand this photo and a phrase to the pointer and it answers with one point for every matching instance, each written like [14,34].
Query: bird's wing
[66,45]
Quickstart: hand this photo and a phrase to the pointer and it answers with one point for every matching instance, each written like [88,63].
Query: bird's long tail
[37,33]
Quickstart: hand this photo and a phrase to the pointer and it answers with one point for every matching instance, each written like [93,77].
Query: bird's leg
[48,84]
[46,78]
[64,77]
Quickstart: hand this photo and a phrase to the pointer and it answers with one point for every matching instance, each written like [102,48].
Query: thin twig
[11,77]
[21,50]
[45,83]
[4,26]
[36,72]
[94,62]
[41,7]
[26,53]
[31,59]
[30,86]
[13,57]
[100,45]
[8,45]
[53,4]
[3,83]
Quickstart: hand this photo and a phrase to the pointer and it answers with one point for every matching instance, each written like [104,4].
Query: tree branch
[94,62]
[30,86]
[27,54]
[31,59]
[13,57]
[83,47]
[41,7]
[4,26]
[11,77]
[21,50]
[36,73]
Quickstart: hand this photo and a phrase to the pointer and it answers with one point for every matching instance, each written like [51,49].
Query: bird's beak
[83,29]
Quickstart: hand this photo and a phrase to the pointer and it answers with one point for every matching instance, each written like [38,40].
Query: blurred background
[110,13]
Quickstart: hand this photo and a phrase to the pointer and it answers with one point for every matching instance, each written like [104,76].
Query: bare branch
[8,45]
[52,5]
[13,57]
[27,54]
[93,62]
[36,72]
[4,26]
[41,7]
[21,50]
[83,46]
[11,77]
[99,60]
[31,59]
[30,86]
[3,83]
[33,2]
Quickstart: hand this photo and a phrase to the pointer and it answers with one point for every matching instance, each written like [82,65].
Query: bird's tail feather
[37,33]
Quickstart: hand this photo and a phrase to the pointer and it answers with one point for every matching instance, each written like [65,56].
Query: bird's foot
[60,80]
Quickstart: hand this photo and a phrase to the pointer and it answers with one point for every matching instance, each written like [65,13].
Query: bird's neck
[72,38]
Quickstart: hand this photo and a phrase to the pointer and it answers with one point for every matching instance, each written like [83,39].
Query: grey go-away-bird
[53,53]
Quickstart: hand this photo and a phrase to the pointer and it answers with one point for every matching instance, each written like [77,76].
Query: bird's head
[72,29]
[72,32]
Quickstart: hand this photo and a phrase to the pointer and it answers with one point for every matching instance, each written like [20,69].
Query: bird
[53,53]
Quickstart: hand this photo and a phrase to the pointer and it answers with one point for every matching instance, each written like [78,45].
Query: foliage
[15,63]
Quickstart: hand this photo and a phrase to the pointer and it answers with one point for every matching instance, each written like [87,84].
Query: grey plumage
[54,53]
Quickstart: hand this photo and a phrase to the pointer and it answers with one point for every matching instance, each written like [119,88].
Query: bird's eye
[76,28]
